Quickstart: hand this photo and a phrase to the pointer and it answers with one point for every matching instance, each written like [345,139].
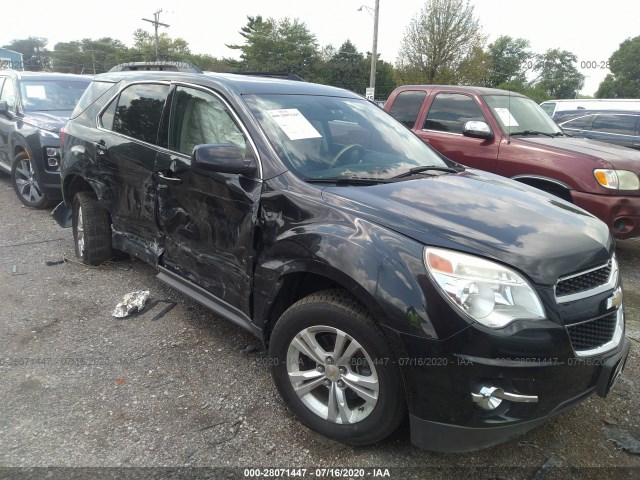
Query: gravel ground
[83,389]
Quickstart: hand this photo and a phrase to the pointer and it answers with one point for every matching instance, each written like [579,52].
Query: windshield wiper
[532,132]
[348,180]
[426,168]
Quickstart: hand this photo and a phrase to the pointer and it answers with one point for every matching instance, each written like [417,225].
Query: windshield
[330,137]
[50,95]
[519,114]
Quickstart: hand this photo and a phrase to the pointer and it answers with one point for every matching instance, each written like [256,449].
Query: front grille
[594,333]
[583,282]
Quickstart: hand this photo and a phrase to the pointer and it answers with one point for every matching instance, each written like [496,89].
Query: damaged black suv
[384,279]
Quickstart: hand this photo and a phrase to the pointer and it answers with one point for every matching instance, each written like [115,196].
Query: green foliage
[34,52]
[536,93]
[441,45]
[558,74]
[509,60]
[89,56]
[277,46]
[348,69]
[624,79]
[169,49]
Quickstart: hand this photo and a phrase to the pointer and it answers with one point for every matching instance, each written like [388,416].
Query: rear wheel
[25,183]
[333,367]
[91,230]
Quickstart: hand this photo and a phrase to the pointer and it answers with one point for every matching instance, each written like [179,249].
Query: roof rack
[283,75]
[156,66]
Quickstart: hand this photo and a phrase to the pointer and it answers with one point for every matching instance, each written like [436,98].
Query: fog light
[52,152]
[52,161]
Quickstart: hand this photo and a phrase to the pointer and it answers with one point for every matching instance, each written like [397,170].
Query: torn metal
[131,303]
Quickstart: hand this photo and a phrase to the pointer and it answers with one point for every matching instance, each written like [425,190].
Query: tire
[25,183]
[322,392]
[91,230]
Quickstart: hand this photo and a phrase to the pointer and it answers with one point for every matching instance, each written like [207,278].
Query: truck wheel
[334,369]
[25,183]
[91,230]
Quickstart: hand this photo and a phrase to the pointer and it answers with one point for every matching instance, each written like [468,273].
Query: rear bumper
[621,214]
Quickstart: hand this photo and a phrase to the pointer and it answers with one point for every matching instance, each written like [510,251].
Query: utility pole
[374,53]
[156,23]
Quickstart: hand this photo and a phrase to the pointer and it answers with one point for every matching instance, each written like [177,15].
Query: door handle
[101,147]
[165,179]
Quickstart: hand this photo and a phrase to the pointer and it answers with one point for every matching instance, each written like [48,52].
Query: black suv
[618,127]
[33,108]
[384,279]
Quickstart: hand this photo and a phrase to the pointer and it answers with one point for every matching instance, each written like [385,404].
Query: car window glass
[200,118]
[581,123]
[450,111]
[138,111]
[406,106]
[8,94]
[620,124]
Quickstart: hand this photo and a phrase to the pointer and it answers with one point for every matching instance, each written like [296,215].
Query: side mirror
[223,158]
[475,129]
[4,108]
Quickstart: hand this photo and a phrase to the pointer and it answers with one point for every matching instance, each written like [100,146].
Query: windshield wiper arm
[532,132]
[426,168]
[348,180]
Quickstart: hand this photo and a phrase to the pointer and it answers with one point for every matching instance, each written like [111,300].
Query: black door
[7,122]
[207,218]
[126,149]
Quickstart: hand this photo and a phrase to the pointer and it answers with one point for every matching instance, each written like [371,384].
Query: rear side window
[406,106]
[450,111]
[137,111]
[93,92]
[620,124]
[580,123]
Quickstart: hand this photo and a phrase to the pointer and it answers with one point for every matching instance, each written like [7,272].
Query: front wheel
[91,230]
[25,183]
[334,369]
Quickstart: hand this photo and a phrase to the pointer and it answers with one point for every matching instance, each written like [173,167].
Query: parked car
[33,108]
[611,126]
[507,133]
[384,279]
[557,107]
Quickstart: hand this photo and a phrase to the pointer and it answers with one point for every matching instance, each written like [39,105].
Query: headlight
[617,179]
[487,292]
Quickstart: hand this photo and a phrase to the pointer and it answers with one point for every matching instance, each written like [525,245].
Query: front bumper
[443,415]
[620,213]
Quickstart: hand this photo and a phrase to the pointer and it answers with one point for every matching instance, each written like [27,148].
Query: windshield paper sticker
[35,91]
[294,124]
[506,117]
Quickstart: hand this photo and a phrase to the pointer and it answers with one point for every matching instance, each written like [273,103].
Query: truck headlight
[489,293]
[617,179]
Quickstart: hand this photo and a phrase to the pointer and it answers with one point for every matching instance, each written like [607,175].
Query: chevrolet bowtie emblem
[615,300]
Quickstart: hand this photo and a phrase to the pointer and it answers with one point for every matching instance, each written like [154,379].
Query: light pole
[374,50]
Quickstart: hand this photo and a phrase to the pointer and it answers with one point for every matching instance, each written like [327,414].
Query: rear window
[91,94]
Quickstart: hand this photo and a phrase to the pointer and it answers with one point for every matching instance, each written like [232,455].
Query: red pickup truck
[509,134]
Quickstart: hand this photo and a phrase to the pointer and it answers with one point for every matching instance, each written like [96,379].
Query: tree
[34,52]
[558,74]
[510,59]
[89,56]
[347,69]
[278,46]
[440,40]
[624,79]
[144,47]
[385,77]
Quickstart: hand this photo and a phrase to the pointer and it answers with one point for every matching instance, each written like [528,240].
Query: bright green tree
[510,59]
[558,74]
[624,79]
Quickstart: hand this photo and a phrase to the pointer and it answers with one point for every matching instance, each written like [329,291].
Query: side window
[406,106]
[620,124]
[137,111]
[199,118]
[450,111]
[8,93]
[580,123]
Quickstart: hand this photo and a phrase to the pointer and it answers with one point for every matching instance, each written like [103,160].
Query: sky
[591,32]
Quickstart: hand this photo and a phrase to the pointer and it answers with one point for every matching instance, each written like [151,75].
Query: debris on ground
[623,439]
[51,263]
[131,303]
[544,469]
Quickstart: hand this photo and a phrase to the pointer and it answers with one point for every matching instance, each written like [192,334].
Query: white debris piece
[131,303]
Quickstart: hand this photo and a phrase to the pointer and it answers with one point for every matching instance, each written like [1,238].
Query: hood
[52,121]
[484,214]
[619,157]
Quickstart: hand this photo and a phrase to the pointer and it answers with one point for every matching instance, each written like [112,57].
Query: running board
[213,303]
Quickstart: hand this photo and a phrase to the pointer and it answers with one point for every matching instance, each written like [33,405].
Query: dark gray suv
[33,108]
[617,127]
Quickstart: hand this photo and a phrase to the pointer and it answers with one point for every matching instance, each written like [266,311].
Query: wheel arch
[74,183]
[549,185]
